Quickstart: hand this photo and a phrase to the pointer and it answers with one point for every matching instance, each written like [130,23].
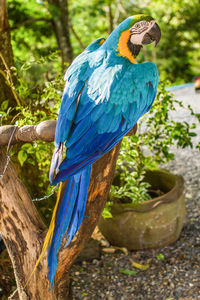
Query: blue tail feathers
[69,215]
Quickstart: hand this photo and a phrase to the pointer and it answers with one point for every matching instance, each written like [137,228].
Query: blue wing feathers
[78,131]
[83,111]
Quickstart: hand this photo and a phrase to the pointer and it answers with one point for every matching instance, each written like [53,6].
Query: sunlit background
[34,31]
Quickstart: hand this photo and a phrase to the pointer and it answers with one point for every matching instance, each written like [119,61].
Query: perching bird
[105,94]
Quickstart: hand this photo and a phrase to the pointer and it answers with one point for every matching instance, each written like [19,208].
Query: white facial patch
[138,31]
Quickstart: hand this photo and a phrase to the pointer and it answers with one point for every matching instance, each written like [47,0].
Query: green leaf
[106,214]
[29,148]
[83,294]
[160,256]
[192,134]
[128,272]
[4,105]
[22,156]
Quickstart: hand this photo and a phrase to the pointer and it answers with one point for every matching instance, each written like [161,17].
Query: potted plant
[146,206]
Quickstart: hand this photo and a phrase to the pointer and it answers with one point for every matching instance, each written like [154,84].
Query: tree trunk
[6,56]
[110,17]
[24,232]
[61,27]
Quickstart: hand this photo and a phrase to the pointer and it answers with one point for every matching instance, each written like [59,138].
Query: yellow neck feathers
[123,47]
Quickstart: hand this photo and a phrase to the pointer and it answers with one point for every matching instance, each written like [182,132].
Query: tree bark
[10,134]
[24,232]
[110,17]
[6,57]
[61,27]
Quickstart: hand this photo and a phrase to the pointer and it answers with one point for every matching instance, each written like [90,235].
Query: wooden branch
[76,36]
[44,131]
[9,80]
[24,232]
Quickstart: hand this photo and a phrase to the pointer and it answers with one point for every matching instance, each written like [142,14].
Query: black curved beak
[154,34]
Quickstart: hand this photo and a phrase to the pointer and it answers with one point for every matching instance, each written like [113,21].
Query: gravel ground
[176,276]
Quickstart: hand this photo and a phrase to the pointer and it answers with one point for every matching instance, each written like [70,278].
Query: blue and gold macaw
[105,94]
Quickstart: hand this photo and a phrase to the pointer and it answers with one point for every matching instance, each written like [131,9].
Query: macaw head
[134,32]
[144,30]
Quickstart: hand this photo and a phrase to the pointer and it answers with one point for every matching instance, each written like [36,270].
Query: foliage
[177,55]
[31,29]
[179,48]
[41,102]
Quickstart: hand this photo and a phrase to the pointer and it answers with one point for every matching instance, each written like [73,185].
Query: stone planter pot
[151,224]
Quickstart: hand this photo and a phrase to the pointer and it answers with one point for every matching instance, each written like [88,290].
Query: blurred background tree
[41,27]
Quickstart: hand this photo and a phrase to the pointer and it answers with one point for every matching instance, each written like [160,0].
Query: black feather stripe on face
[135,49]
